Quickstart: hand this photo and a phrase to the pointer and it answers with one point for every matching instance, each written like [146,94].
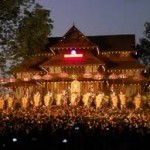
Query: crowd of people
[78,122]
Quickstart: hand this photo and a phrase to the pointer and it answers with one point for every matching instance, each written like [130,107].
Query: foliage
[24,29]
[143,48]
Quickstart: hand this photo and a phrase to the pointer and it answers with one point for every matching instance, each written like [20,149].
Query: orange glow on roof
[73,55]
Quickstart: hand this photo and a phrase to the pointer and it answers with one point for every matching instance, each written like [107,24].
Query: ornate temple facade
[79,63]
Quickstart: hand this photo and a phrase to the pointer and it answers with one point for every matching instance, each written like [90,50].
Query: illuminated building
[98,62]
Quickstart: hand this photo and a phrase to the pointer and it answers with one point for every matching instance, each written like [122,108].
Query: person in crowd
[6,96]
[1,102]
[10,102]
[59,99]
[86,97]
[122,98]
[106,99]
[75,86]
[64,98]
[37,99]
[74,97]
[114,100]
[99,99]
[48,99]
[137,101]
[92,99]
[24,101]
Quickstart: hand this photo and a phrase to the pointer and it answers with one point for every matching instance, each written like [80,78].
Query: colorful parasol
[98,76]
[63,75]
[37,77]
[122,76]
[113,76]
[26,79]
[47,77]
[87,75]
[3,80]
[12,79]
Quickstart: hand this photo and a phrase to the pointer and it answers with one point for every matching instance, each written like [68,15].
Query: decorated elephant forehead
[74,76]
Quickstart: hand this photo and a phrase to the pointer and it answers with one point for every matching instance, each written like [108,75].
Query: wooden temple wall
[58,87]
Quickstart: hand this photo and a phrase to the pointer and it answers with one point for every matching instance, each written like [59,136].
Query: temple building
[79,63]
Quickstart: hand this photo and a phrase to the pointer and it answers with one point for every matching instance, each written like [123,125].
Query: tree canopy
[143,47]
[25,27]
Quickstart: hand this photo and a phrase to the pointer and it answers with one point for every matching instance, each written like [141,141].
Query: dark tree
[25,27]
[143,48]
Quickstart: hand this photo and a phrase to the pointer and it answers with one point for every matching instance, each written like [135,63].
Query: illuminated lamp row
[114,52]
[69,48]
[126,70]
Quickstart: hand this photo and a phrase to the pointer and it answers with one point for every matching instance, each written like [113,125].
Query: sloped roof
[20,83]
[59,60]
[122,42]
[31,64]
[124,63]
[73,38]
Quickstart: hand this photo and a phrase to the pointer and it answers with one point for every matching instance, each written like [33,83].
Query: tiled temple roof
[76,39]
[73,38]
[59,60]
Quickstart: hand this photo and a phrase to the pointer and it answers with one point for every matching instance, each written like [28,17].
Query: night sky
[99,17]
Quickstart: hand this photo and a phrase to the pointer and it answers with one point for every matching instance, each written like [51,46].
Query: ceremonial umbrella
[47,77]
[138,78]
[98,76]
[122,76]
[12,79]
[87,75]
[63,75]
[113,76]
[37,77]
